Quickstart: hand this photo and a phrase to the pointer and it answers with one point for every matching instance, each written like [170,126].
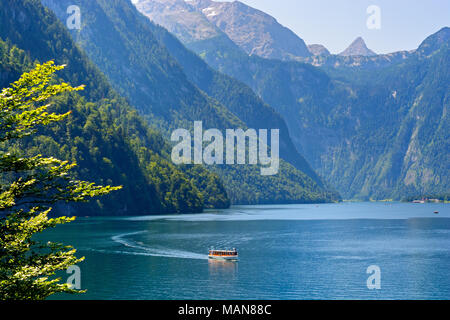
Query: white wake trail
[148,251]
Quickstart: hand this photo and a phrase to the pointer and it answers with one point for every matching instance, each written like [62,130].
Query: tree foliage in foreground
[29,186]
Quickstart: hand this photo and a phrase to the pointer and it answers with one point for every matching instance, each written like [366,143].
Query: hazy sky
[336,23]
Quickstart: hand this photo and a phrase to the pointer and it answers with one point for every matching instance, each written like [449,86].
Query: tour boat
[223,254]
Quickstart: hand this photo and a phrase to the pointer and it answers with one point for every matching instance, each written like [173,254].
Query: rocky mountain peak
[256,32]
[318,50]
[358,48]
[435,41]
[179,17]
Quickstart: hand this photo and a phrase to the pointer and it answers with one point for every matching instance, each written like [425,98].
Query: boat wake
[143,250]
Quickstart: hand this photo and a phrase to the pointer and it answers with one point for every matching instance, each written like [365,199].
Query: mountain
[370,125]
[358,48]
[434,43]
[170,95]
[179,15]
[318,50]
[236,96]
[352,67]
[359,68]
[104,135]
[256,32]
[387,137]
[404,125]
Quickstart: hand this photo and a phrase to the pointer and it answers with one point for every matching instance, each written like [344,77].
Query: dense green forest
[104,135]
[131,52]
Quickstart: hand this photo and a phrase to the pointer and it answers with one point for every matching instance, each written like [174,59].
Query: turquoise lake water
[286,252]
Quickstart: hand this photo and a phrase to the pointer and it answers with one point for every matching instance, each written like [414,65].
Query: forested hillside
[125,45]
[104,135]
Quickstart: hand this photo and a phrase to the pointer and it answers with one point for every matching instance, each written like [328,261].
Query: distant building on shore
[425,200]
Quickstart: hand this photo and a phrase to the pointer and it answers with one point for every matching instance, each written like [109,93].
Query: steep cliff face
[256,32]
[388,129]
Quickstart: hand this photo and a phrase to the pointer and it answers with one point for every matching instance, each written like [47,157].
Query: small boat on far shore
[223,254]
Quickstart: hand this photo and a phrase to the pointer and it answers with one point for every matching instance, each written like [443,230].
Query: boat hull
[223,258]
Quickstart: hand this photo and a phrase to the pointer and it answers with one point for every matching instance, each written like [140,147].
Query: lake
[286,252]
